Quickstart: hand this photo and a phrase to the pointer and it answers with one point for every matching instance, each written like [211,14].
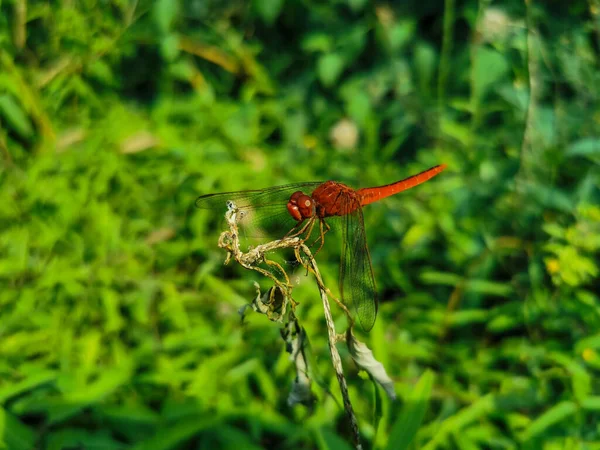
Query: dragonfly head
[301,206]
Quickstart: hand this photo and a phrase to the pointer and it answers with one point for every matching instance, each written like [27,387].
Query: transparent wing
[263,212]
[357,283]
[256,198]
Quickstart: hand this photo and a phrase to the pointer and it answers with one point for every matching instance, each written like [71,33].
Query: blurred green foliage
[118,323]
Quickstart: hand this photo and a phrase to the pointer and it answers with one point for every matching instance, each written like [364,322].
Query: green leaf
[581,380]
[443,278]
[554,230]
[2,428]
[425,65]
[406,426]
[503,323]
[456,423]
[457,130]
[489,288]
[165,12]
[591,403]
[268,10]
[559,412]
[32,381]
[130,415]
[14,435]
[332,441]
[466,317]
[102,71]
[77,438]
[317,42]
[170,47]
[329,68]
[15,116]
[359,107]
[357,5]
[584,147]
[549,196]
[174,435]
[400,34]
[490,67]
[588,342]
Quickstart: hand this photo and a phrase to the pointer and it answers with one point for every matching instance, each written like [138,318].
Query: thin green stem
[449,14]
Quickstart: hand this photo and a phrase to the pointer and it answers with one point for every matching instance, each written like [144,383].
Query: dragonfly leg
[323,229]
[309,229]
[306,228]
[293,233]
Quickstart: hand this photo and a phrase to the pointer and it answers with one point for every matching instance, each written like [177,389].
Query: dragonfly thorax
[334,199]
[301,206]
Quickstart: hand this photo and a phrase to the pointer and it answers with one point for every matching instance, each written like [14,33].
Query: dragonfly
[297,207]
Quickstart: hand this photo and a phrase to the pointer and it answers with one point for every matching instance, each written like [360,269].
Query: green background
[118,321]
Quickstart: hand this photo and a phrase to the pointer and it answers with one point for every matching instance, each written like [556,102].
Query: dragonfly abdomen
[371,195]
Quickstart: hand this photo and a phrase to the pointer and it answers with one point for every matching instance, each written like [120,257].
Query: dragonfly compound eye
[294,197]
[300,206]
[293,210]
[305,206]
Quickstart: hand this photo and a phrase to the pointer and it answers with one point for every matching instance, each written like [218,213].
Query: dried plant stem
[335,356]
[229,241]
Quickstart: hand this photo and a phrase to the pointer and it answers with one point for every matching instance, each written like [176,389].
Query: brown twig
[335,356]
[229,240]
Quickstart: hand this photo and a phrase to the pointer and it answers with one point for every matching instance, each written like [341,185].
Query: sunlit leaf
[15,116]
[268,10]
[14,435]
[330,67]
[562,411]
[490,67]
[165,12]
[584,147]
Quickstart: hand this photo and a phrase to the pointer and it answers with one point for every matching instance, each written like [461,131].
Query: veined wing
[357,282]
[262,212]
[256,198]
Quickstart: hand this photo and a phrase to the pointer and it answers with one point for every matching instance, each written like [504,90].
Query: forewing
[262,212]
[357,283]
[257,198]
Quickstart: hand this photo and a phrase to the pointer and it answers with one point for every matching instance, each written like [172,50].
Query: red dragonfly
[264,208]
